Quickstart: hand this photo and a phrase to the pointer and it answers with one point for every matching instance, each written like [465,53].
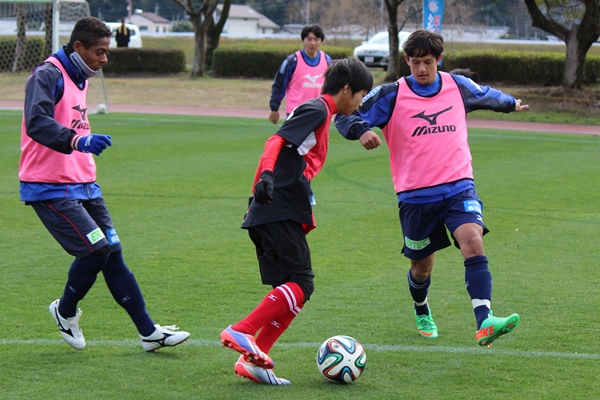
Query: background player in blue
[312,37]
[423,118]
[300,76]
[279,216]
[58,180]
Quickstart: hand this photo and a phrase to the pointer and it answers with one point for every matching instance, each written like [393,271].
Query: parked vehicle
[135,40]
[376,51]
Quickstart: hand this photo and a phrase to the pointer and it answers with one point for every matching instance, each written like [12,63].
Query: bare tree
[214,32]
[577,23]
[201,17]
[348,18]
[394,26]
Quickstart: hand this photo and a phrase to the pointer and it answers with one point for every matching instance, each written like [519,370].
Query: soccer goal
[32,30]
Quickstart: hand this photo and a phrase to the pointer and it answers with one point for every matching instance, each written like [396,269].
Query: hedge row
[517,67]
[259,61]
[126,60]
[145,61]
[537,68]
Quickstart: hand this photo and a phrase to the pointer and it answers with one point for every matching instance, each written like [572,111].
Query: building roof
[239,11]
[154,17]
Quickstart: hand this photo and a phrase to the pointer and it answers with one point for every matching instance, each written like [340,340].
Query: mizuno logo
[60,327]
[83,112]
[80,123]
[428,130]
[431,118]
[312,78]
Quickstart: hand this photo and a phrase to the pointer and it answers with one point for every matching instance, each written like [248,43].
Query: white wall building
[150,23]
[244,21]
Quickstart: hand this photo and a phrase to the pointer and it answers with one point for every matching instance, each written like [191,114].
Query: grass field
[177,187]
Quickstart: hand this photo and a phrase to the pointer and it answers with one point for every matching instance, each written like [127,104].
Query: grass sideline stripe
[369,347]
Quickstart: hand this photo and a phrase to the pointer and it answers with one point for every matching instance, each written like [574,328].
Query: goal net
[28,36]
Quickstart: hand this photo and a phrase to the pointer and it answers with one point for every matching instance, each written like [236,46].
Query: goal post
[32,30]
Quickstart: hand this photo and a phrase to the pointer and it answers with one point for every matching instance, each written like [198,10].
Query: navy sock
[478,281]
[126,292]
[82,275]
[419,293]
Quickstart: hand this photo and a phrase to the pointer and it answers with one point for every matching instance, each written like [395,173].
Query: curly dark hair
[88,30]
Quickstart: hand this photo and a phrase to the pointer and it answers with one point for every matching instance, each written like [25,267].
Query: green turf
[177,188]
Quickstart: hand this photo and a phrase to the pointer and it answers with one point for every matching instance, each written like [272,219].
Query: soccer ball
[341,359]
[101,108]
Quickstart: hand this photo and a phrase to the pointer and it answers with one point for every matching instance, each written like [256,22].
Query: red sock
[288,297]
[269,333]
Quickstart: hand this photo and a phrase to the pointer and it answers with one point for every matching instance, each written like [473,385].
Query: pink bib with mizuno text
[306,82]
[427,138]
[41,164]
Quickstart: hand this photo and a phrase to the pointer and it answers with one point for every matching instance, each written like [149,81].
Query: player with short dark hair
[300,76]
[57,174]
[423,119]
[279,216]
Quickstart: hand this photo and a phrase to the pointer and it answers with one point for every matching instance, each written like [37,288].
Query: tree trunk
[214,33]
[393,70]
[578,39]
[573,63]
[200,29]
[21,45]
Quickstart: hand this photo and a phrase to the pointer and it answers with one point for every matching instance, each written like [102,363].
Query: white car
[376,51]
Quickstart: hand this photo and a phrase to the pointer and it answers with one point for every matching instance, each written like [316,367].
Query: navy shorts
[283,254]
[424,225]
[79,226]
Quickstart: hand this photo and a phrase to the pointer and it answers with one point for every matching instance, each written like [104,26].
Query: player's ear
[407,59]
[78,46]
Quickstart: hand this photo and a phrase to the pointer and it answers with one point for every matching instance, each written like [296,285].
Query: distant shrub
[260,60]
[145,61]
[182,26]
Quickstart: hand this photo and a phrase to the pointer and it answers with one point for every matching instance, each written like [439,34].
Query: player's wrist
[75,141]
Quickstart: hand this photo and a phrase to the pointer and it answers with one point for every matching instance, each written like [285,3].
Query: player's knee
[307,285]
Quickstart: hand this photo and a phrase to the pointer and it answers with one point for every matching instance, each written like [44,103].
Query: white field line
[369,347]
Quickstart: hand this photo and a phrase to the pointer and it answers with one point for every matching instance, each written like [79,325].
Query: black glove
[263,190]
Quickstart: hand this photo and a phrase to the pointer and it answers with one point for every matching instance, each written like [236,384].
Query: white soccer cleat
[251,372]
[68,327]
[164,336]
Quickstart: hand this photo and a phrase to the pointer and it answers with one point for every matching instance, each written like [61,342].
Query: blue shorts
[79,226]
[424,225]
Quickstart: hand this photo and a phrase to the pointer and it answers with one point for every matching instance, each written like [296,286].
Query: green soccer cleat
[494,327]
[426,326]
